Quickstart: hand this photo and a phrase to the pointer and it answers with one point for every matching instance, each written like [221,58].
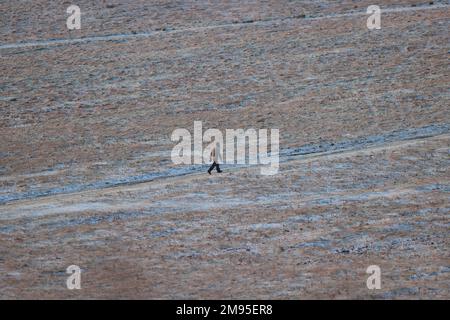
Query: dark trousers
[214,165]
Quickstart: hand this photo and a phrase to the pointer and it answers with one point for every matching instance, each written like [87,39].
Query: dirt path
[118,37]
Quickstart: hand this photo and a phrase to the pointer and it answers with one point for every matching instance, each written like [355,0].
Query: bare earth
[86,176]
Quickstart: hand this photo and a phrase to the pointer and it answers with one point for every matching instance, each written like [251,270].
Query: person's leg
[218,168]
[212,167]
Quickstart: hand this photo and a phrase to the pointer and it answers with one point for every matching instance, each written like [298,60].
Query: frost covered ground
[86,176]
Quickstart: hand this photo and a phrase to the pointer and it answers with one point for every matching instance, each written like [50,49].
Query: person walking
[214,157]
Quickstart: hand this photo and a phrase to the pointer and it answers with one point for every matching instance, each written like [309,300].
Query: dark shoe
[219,171]
[209,172]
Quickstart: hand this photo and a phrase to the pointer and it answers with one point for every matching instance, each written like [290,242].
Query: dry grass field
[86,176]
